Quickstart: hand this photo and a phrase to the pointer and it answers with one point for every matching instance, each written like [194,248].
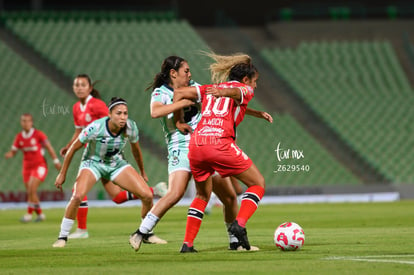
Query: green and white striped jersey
[192,116]
[102,144]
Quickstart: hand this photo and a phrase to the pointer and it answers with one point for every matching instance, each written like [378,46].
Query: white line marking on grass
[377,259]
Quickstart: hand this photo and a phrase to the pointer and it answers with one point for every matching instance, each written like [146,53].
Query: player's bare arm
[136,152]
[161,110]
[180,124]
[74,136]
[259,114]
[52,154]
[233,93]
[185,92]
[10,154]
[61,177]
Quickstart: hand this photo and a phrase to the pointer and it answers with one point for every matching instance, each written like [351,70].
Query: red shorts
[38,172]
[227,159]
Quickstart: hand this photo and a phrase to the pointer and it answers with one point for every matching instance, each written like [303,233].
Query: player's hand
[186,102]
[8,155]
[214,91]
[267,117]
[184,128]
[63,151]
[58,166]
[144,176]
[60,179]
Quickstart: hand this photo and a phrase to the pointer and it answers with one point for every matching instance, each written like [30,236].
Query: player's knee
[146,197]
[260,181]
[77,198]
[229,201]
[173,196]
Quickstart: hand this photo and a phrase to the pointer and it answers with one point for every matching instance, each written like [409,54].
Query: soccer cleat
[160,189]
[135,240]
[240,233]
[238,247]
[61,242]
[40,218]
[26,218]
[187,249]
[151,238]
[79,234]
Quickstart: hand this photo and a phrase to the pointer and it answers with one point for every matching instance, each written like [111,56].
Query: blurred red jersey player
[32,143]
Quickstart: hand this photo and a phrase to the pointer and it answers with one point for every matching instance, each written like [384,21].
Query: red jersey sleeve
[100,109]
[247,94]
[201,91]
[16,143]
[41,137]
[76,121]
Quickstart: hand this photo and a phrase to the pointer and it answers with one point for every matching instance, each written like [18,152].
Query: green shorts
[104,170]
[178,159]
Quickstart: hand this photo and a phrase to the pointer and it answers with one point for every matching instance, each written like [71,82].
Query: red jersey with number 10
[93,109]
[220,116]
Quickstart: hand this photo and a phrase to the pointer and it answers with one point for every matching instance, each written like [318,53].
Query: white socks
[232,238]
[65,227]
[148,223]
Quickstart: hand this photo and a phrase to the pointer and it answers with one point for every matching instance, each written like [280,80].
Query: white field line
[376,258]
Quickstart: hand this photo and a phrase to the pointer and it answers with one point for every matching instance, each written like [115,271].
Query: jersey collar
[83,106]
[28,134]
[109,132]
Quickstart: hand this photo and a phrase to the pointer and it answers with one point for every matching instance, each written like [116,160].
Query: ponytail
[222,68]
[163,77]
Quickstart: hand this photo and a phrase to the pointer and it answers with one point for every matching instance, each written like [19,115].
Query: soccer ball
[289,236]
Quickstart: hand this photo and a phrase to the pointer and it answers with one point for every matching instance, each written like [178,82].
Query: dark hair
[95,93]
[163,77]
[241,70]
[27,114]
[116,101]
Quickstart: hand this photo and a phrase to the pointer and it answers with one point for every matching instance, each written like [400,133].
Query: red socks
[30,208]
[37,209]
[82,215]
[124,196]
[249,203]
[194,219]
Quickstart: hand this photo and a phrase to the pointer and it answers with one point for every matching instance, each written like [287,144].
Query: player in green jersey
[103,158]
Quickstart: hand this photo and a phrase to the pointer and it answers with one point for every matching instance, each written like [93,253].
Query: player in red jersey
[88,109]
[32,142]
[213,147]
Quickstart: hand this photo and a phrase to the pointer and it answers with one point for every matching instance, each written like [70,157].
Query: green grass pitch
[341,238]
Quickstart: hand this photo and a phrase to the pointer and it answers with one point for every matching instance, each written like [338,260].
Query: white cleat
[60,243]
[79,234]
[26,218]
[153,239]
[235,246]
[135,240]
[160,189]
[252,248]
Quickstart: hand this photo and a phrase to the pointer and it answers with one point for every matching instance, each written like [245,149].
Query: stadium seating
[317,166]
[360,90]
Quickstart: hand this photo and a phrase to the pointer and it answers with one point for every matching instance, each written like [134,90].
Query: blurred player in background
[89,108]
[103,158]
[213,147]
[175,73]
[32,142]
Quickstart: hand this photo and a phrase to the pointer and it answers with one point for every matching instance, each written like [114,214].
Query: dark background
[213,12]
